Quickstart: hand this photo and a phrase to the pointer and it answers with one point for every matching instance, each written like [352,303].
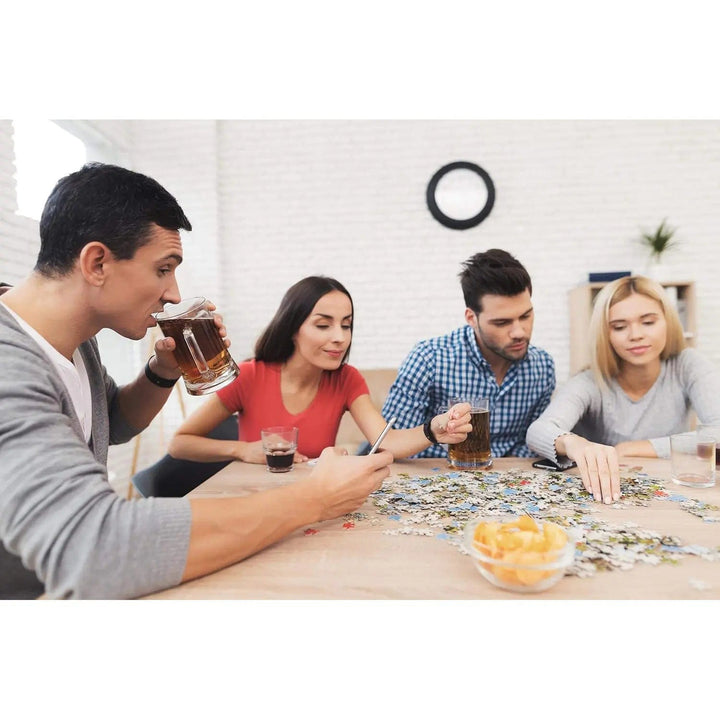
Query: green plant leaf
[661,240]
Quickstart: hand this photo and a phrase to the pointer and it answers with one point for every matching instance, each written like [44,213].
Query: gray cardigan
[57,511]
[686,381]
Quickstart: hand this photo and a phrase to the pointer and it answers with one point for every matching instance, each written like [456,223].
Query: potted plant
[658,242]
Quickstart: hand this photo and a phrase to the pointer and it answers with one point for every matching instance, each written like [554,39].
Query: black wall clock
[460,195]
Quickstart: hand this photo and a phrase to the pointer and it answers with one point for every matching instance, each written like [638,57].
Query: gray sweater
[57,511]
[686,381]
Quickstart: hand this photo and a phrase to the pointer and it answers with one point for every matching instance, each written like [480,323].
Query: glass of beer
[279,444]
[204,361]
[473,453]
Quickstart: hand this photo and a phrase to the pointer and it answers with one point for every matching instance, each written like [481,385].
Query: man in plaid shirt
[491,356]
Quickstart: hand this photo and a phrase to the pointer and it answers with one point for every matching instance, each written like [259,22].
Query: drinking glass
[279,444]
[692,455]
[200,351]
[713,432]
[473,453]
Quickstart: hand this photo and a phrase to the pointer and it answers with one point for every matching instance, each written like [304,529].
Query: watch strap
[429,433]
[156,379]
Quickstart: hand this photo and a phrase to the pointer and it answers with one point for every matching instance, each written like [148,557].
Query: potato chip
[509,541]
[526,538]
[555,535]
[539,543]
[530,577]
[507,575]
[525,522]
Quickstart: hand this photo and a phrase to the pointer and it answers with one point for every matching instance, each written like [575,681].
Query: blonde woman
[642,383]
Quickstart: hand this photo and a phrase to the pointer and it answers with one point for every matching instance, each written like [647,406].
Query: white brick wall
[347,198]
[273,201]
[19,242]
[182,156]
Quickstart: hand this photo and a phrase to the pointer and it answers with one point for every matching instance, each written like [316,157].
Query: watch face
[460,195]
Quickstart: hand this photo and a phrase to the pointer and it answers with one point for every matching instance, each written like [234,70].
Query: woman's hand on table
[636,448]
[598,466]
[253,452]
[343,482]
[454,425]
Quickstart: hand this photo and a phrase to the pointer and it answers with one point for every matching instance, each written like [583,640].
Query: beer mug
[204,361]
[473,453]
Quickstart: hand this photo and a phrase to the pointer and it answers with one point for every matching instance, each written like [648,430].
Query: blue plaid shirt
[452,365]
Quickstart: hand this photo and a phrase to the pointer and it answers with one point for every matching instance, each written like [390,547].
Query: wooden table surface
[363,562]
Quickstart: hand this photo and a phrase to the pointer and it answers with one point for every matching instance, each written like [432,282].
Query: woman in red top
[300,378]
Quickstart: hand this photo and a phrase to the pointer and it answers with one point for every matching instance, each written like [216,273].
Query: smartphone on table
[545,464]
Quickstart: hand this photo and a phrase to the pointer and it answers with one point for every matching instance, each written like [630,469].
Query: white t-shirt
[73,374]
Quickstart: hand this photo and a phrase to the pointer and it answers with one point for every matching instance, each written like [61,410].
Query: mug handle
[195,351]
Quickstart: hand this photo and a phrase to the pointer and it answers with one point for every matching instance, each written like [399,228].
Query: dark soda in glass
[280,460]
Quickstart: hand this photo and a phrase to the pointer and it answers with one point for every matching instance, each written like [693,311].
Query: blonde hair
[604,360]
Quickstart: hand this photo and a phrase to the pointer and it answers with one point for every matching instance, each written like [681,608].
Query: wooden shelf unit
[583,297]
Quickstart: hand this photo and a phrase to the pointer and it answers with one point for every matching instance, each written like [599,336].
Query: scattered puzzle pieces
[440,506]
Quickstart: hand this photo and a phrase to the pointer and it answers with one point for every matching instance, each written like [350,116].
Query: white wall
[347,198]
[273,201]
[19,242]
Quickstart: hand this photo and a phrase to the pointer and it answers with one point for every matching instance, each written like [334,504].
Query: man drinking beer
[109,248]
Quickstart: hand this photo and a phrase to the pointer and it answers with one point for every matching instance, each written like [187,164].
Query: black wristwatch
[156,379]
[429,433]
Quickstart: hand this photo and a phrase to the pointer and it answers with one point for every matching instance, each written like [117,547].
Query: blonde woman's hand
[598,466]
[636,448]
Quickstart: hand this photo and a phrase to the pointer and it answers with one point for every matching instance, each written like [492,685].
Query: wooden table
[365,563]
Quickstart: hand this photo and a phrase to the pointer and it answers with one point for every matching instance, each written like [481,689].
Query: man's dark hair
[106,203]
[494,272]
[276,343]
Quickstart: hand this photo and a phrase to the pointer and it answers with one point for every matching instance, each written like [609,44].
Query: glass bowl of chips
[519,553]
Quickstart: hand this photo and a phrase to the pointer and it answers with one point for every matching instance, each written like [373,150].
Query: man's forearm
[140,401]
[225,531]
[403,443]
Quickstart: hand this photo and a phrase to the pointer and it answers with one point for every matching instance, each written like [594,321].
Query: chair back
[170,477]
